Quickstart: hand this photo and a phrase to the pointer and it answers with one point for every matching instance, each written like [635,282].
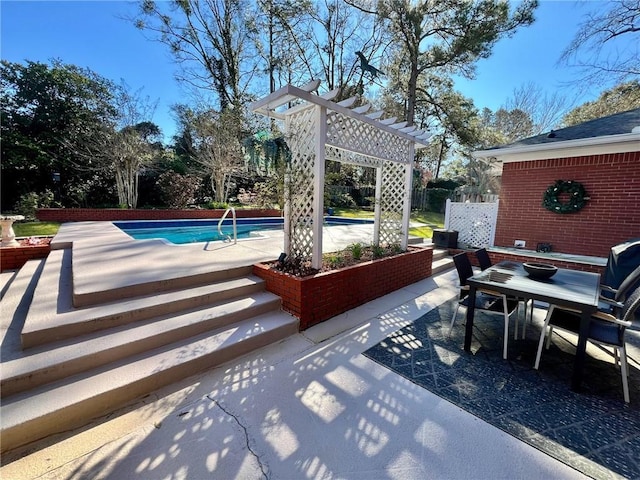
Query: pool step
[52,317]
[74,401]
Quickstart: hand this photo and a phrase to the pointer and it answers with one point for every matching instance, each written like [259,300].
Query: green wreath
[577,197]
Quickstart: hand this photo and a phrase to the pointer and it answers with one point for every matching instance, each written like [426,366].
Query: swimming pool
[192,231]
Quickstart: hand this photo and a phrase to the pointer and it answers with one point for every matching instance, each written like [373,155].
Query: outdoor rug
[593,431]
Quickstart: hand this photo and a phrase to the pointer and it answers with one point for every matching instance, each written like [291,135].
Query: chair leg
[549,338]
[528,310]
[543,335]
[624,371]
[453,319]
[505,308]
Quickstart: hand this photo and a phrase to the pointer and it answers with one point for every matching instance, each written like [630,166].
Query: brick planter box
[316,298]
[12,258]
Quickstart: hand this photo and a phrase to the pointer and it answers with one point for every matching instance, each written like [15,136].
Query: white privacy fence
[475,222]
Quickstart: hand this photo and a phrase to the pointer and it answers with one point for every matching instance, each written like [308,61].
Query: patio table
[568,288]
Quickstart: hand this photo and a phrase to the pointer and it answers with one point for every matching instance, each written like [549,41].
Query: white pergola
[317,129]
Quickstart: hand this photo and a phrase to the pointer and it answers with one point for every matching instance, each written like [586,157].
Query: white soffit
[626,142]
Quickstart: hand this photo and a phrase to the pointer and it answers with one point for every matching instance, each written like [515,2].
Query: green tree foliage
[275,29]
[502,127]
[47,110]
[445,38]
[620,98]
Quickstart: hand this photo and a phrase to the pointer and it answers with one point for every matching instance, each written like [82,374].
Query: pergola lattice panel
[350,134]
[392,200]
[299,182]
[345,156]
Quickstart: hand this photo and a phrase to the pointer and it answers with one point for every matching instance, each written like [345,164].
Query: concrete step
[16,298]
[441,264]
[75,401]
[63,359]
[439,253]
[52,316]
[90,288]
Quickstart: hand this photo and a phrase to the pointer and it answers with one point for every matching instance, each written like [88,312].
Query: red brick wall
[499,257]
[113,214]
[12,258]
[611,216]
[325,295]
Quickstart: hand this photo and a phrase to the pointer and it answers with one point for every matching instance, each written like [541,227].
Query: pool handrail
[235,228]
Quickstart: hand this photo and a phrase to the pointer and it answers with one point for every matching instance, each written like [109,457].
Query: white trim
[626,142]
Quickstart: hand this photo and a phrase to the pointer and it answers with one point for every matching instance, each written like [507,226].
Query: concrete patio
[309,406]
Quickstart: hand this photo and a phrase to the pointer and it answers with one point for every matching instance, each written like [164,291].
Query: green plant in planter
[356,251]
[377,251]
[334,260]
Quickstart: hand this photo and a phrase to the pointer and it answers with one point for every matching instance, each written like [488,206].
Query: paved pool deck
[310,406]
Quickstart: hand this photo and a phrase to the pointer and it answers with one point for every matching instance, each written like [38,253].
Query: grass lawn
[431,219]
[35,229]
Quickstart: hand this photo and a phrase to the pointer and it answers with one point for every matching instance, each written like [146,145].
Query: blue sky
[91,34]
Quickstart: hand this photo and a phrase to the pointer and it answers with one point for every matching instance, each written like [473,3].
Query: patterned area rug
[593,431]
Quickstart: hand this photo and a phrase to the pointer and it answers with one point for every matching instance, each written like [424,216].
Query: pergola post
[318,185]
[406,207]
[378,207]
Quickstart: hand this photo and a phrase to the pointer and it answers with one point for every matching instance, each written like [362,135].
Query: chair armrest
[611,302]
[566,309]
[607,317]
[491,292]
[607,288]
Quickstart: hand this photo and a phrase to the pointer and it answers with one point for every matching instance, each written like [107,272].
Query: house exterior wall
[611,216]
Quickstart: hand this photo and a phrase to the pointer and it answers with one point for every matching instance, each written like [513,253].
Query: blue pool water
[193,231]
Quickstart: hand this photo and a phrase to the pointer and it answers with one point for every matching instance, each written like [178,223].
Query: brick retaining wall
[500,256]
[63,215]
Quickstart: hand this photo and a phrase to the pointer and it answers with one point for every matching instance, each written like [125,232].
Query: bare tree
[608,27]
[128,153]
[209,40]
[218,149]
[544,110]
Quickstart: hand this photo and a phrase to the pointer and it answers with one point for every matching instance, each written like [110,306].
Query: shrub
[178,190]
[30,202]
[213,205]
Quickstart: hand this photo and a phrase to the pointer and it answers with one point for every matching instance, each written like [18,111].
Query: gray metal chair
[486,301]
[606,329]
[484,261]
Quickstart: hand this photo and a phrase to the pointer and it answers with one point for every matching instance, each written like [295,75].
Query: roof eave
[626,142]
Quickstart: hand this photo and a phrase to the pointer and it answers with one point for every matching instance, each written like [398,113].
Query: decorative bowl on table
[540,271]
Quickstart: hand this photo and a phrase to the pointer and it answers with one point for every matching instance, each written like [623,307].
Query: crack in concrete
[246,436]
